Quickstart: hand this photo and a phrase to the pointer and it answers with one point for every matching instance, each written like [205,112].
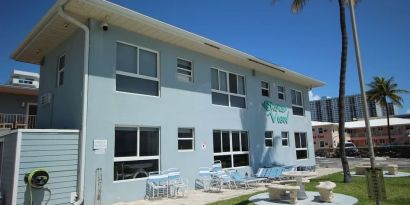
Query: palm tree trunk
[346,173]
[388,123]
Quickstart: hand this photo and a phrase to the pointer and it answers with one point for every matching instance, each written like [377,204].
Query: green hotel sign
[278,113]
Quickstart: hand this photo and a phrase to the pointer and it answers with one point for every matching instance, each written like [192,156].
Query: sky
[308,42]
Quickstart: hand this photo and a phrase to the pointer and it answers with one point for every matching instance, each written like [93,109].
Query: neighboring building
[326,109]
[18,104]
[326,135]
[157,97]
[399,131]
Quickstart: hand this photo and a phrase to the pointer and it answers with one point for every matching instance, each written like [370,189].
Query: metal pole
[363,92]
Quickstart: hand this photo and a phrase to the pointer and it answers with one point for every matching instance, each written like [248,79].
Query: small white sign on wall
[100,146]
[203,146]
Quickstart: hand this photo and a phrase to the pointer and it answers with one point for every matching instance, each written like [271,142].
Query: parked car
[350,148]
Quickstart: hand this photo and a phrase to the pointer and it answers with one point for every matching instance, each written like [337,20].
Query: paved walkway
[200,197]
[313,199]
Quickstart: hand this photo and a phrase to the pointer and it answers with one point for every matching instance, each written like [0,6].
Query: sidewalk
[200,197]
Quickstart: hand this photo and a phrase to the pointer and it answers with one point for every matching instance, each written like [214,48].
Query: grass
[397,190]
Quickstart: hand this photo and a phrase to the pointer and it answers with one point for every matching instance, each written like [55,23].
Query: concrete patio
[200,197]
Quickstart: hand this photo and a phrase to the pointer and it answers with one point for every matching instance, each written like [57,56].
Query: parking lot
[336,163]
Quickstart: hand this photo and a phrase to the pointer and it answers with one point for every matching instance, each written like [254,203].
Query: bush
[393,151]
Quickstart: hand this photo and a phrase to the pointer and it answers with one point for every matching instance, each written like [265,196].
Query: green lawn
[397,190]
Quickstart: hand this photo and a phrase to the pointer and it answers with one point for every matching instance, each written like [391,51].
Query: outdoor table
[299,175]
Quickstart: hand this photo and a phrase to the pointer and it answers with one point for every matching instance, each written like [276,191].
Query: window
[1,159]
[320,130]
[228,89]
[322,143]
[184,69]
[60,70]
[268,139]
[136,152]
[301,145]
[137,70]
[281,93]
[285,139]
[297,103]
[265,88]
[185,139]
[231,148]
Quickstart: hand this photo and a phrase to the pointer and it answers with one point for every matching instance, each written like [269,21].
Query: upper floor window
[297,103]
[137,70]
[281,92]
[60,70]
[268,139]
[184,69]
[228,89]
[320,130]
[265,88]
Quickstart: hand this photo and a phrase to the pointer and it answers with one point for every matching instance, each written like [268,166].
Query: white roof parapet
[317,123]
[377,123]
[35,46]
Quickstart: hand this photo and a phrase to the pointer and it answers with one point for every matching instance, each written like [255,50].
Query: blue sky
[308,42]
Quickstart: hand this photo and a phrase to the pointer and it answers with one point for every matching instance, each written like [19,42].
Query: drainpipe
[80,196]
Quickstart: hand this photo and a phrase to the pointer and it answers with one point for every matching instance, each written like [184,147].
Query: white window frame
[228,88]
[137,157]
[280,92]
[190,77]
[295,105]
[186,139]
[267,89]
[269,138]
[231,153]
[285,138]
[59,71]
[320,143]
[302,148]
[137,75]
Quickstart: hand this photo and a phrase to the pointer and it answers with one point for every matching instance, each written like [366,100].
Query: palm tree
[297,6]
[382,91]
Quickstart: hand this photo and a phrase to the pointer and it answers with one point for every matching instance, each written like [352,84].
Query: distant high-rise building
[326,109]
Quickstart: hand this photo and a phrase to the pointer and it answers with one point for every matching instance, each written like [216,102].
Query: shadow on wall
[37,196]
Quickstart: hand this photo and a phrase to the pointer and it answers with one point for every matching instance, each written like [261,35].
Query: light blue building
[149,96]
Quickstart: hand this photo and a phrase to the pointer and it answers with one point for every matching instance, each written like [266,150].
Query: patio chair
[275,173]
[261,174]
[176,184]
[205,180]
[224,179]
[217,166]
[157,185]
[241,180]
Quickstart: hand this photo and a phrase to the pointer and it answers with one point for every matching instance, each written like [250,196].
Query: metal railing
[17,121]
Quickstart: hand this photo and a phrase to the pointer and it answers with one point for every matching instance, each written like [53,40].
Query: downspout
[80,196]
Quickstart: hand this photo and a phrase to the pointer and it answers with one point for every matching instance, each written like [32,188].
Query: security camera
[105,26]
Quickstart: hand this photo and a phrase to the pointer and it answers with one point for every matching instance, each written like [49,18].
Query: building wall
[329,135]
[64,111]
[14,103]
[8,164]
[56,152]
[180,104]
[399,135]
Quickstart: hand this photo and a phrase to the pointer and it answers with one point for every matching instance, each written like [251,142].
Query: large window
[281,93]
[228,89]
[268,138]
[185,139]
[136,152]
[301,145]
[184,70]
[60,70]
[231,148]
[137,70]
[265,89]
[285,139]
[321,143]
[297,103]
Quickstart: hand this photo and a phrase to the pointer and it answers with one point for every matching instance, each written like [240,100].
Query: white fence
[17,121]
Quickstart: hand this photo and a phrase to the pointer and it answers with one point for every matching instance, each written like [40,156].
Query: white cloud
[313,96]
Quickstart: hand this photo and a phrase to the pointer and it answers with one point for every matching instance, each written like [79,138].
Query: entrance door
[31,115]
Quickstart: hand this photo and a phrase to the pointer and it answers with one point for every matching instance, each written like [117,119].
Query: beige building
[326,134]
